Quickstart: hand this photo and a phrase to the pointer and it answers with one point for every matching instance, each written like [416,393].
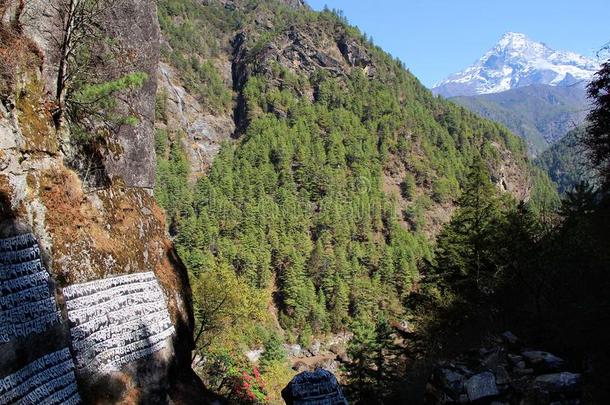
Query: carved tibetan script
[116,320]
[26,303]
[49,380]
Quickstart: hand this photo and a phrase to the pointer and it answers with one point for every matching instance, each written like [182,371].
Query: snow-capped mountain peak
[514,40]
[517,61]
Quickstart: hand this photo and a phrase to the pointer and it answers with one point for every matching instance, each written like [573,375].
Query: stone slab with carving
[48,380]
[27,304]
[116,320]
[28,308]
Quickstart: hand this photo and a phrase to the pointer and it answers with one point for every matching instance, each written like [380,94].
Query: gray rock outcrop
[504,373]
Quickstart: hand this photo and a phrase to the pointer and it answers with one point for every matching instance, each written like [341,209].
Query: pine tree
[361,350]
[597,136]
[372,344]
[274,352]
[466,248]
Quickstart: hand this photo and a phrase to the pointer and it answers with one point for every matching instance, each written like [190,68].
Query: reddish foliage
[249,387]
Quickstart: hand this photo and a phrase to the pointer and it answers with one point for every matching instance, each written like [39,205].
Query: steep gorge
[298,164]
[309,168]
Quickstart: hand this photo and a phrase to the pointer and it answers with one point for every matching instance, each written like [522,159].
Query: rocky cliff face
[96,304]
[203,130]
[133,29]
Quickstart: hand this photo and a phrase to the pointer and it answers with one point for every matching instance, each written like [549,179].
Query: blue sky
[435,38]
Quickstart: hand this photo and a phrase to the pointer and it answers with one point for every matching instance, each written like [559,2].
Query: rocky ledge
[506,372]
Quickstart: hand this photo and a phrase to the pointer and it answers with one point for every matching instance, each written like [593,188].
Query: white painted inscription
[117,320]
[26,303]
[17,242]
[49,380]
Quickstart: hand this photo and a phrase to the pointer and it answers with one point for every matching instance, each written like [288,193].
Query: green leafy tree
[362,353]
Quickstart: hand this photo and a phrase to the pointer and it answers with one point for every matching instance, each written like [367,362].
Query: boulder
[254,355]
[328,364]
[492,360]
[337,349]
[451,381]
[558,383]
[300,366]
[524,371]
[315,348]
[543,361]
[515,359]
[482,385]
[502,376]
[294,350]
[343,357]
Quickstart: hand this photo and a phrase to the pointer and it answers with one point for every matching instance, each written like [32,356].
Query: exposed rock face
[504,373]
[133,26]
[240,3]
[114,281]
[205,132]
[510,177]
[355,55]
[303,51]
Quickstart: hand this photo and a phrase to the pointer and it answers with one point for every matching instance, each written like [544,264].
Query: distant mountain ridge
[541,114]
[566,162]
[518,61]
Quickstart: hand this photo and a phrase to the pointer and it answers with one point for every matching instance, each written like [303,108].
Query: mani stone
[558,383]
[481,385]
[318,387]
[544,361]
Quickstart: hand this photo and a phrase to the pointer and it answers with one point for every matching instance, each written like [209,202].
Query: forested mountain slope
[303,168]
[566,163]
